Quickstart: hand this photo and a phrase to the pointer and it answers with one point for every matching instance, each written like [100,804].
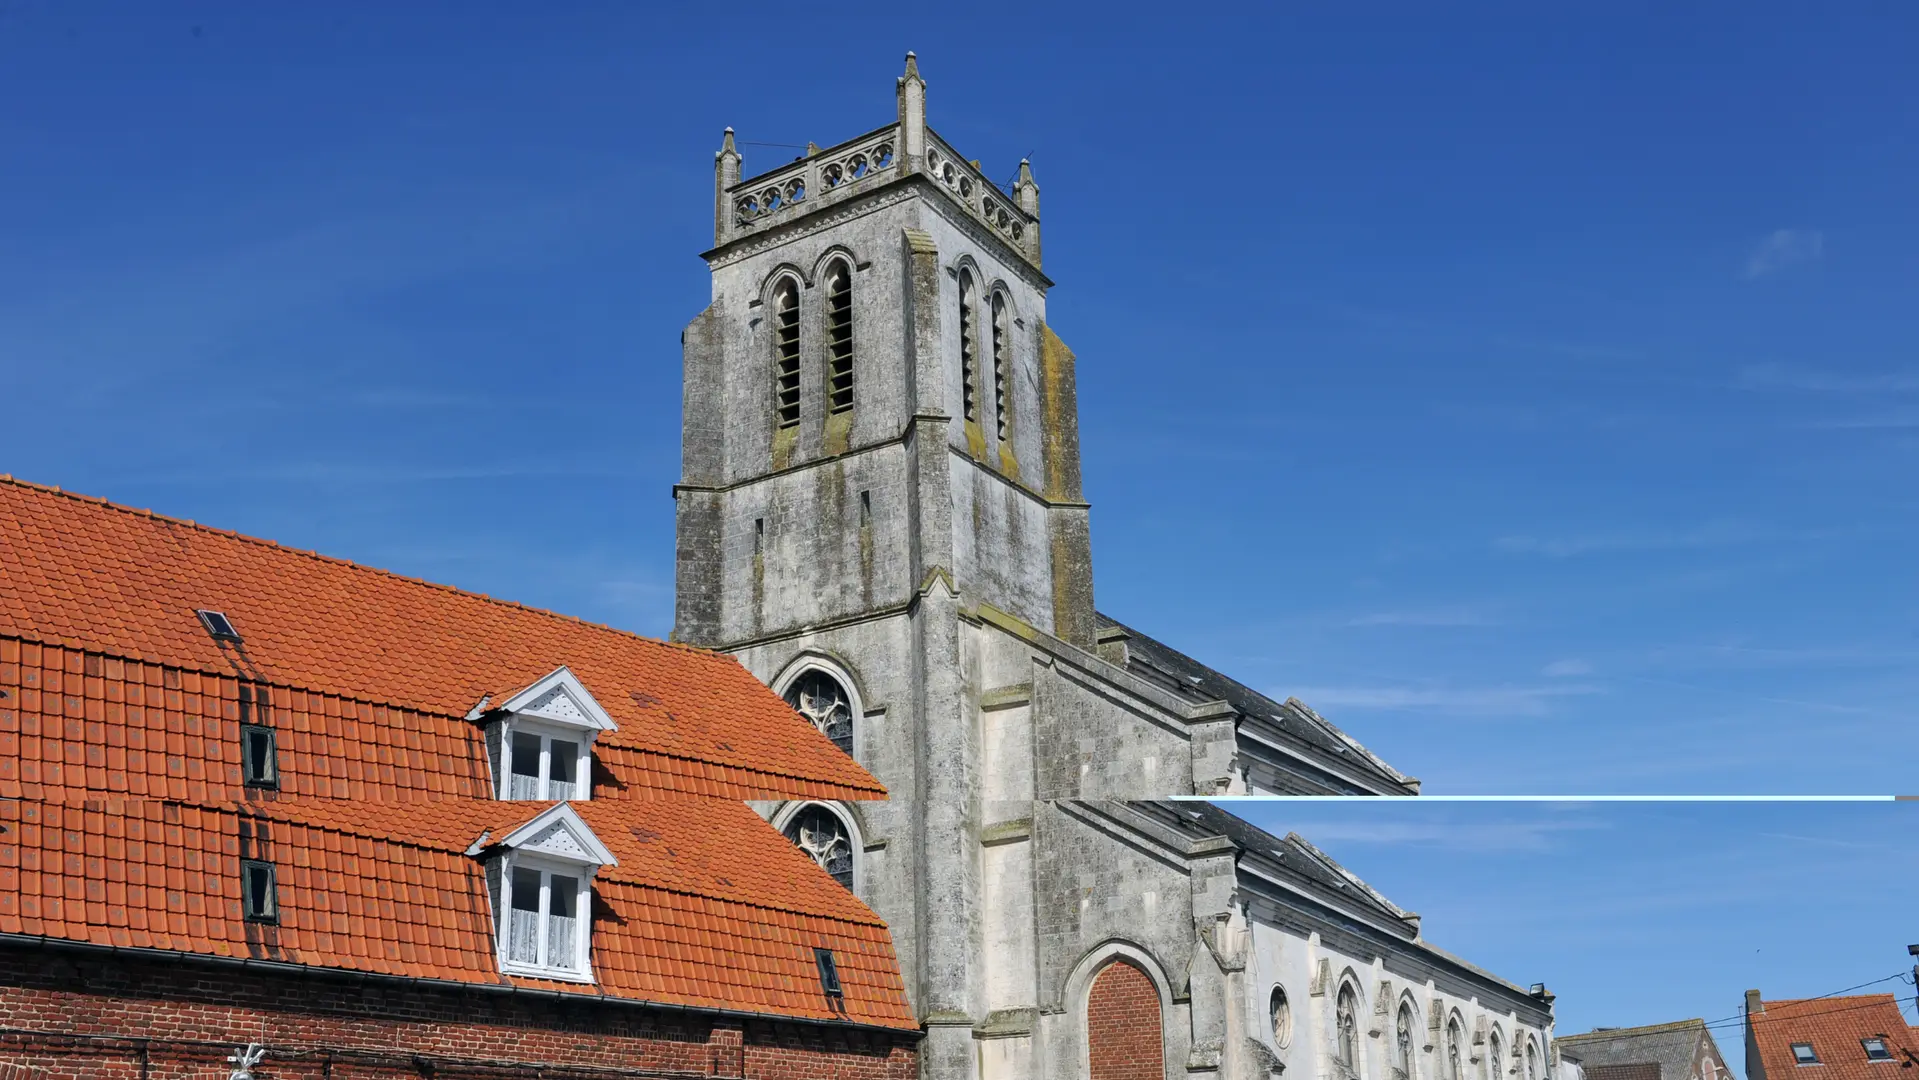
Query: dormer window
[543,925]
[541,878]
[1876,1049]
[541,765]
[1803,1054]
[540,740]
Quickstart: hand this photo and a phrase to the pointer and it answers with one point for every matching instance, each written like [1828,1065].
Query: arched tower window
[825,703]
[839,337]
[1403,1044]
[1123,1024]
[786,352]
[1346,1025]
[825,838]
[969,348]
[1454,1066]
[1002,362]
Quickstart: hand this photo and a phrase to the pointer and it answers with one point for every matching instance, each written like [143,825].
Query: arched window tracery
[825,703]
[1403,1044]
[1346,1023]
[826,838]
[1455,1068]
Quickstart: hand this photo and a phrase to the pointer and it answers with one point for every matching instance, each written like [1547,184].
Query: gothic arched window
[1403,1043]
[825,703]
[969,348]
[786,352]
[1454,1067]
[1346,1021]
[1532,1061]
[839,337]
[826,839]
[1002,363]
[1495,1061]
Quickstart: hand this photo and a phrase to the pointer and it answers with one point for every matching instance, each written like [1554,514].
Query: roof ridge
[1615,1032]
[55,489]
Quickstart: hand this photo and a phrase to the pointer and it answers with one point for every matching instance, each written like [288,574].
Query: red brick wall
[1123,1025]
[126,1018]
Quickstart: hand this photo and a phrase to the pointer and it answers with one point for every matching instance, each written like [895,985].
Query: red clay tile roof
[707,907]
[1834,1027]
[360,653]
[124,816]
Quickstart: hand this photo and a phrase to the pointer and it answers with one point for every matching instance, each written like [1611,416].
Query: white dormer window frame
[535,903]
[543,719]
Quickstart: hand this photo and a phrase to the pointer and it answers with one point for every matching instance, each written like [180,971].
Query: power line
[1796,1014]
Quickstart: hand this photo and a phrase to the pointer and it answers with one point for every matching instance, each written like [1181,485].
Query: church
[880,515]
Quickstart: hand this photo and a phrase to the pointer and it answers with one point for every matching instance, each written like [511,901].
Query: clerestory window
[1346,1021]
[1403,1043]
[786,352]
[839,338]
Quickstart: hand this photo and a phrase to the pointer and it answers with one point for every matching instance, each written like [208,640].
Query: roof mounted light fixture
[217,624]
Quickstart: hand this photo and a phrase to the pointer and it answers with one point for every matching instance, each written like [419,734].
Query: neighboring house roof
[1165,666]
[124,817]
[705,907]
[1672,1047]
[366,660]
[1834,1026]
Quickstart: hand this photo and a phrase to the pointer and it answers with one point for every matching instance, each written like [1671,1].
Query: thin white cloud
[1437,618]
[1719,534]
[1784,248]
[1482,701]
[1774,376]
[1450,834]
[1564,669]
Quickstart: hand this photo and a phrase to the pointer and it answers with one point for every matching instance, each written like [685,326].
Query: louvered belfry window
[786,349]
[1002,341]
[969,348]
[839,338]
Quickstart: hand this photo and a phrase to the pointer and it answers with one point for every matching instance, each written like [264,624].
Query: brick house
[269,814]
[1863,1037]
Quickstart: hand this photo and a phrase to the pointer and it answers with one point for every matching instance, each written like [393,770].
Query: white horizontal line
[1401,801]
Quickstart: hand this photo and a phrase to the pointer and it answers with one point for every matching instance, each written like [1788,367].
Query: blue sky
[1643,914]
[1531,389]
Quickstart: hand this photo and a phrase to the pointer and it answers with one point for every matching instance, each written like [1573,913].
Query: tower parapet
[894,154]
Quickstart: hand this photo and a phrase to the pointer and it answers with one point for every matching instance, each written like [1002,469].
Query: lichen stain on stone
[784,440]
[975,440]
[839,432]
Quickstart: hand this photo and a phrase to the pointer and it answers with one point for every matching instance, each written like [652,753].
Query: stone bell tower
[881,443]
[874,404]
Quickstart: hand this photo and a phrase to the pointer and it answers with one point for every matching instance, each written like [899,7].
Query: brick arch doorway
[1123,1025]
